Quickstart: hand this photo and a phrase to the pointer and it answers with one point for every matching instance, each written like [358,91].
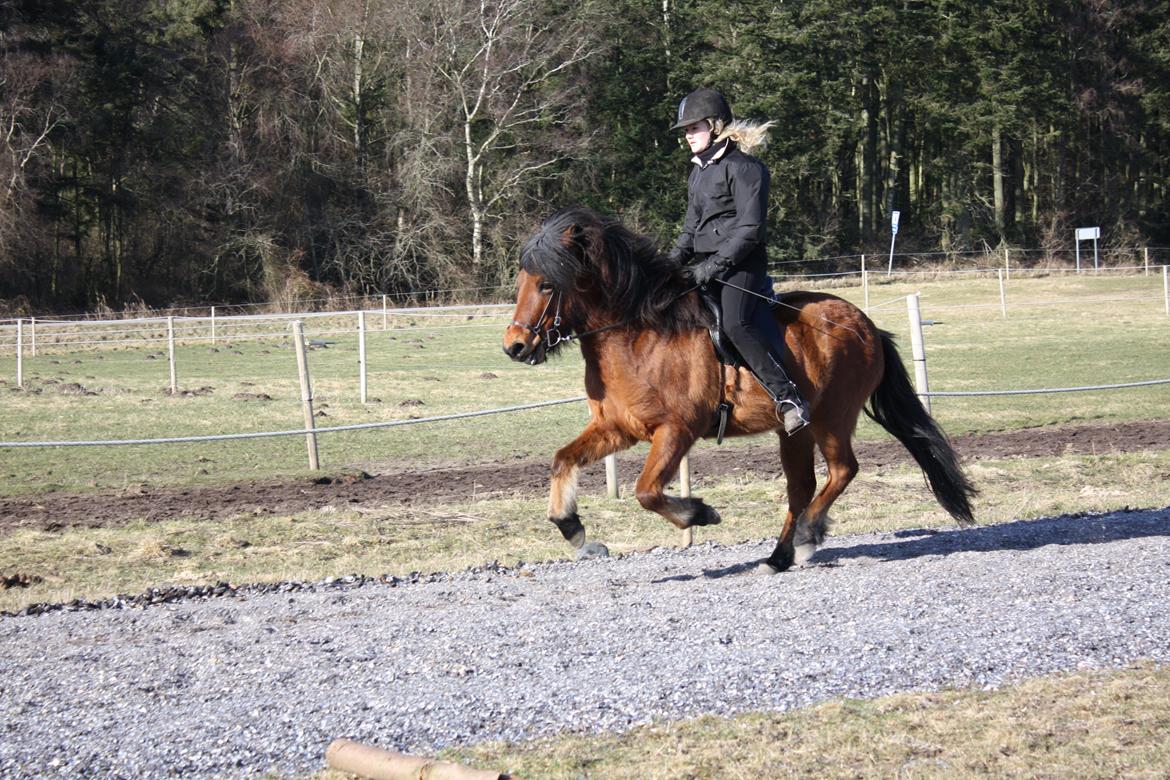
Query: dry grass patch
[374,540]
[1101,724]
[1092,725]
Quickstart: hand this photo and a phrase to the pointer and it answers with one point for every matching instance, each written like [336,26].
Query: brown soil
[56,511]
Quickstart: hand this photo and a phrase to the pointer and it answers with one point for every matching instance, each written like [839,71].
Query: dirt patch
[56,511]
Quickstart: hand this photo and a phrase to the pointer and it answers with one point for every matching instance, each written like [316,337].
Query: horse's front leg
[594,443]
[667,448]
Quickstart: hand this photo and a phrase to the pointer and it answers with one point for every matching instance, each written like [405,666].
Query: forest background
[181,151]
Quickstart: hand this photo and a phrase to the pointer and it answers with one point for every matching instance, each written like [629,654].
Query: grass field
[450,370]
[1060,332]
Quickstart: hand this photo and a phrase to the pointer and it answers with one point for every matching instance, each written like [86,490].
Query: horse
[652,374]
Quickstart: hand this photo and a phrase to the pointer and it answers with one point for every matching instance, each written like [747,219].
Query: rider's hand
[704,272]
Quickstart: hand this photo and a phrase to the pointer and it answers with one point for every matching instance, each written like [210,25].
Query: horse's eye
[545,287]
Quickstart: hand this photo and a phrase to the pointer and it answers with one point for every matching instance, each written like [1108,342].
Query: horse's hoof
[570,528]
[592,550]
[804,553]
[765,568]
[706,516]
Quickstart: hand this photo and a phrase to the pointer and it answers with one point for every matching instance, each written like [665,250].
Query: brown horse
[651,374]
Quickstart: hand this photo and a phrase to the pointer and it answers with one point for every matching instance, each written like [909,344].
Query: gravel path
[233,687]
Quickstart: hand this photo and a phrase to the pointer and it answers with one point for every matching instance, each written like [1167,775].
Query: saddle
[727,353]
[724,350]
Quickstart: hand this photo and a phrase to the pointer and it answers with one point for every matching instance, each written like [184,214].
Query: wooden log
[378,764]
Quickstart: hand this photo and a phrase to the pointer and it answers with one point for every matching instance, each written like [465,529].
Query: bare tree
[29,113]
[505,78]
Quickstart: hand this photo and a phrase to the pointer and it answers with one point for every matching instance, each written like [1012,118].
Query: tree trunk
[867,171]
[998,196]
[359,108]
[474,201]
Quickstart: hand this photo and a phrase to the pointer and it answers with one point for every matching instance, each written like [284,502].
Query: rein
[794,308]
[552,336]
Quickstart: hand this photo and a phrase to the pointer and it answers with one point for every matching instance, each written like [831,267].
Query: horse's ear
[573,237]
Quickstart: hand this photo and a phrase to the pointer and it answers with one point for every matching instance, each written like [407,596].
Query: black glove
[704,272]
[678,256]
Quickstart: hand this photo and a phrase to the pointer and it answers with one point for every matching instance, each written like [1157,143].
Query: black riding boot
[748,321]
[791,408]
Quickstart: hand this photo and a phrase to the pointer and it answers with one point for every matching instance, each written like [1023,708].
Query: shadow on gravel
[1020,535]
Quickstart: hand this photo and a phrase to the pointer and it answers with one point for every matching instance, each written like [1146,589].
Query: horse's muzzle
[524,347]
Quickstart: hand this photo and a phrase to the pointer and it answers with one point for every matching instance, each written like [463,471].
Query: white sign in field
[1088,234]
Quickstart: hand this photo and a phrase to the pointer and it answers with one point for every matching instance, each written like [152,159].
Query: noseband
[552,336]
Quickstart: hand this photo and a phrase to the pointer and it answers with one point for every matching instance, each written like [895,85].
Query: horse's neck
[638,351]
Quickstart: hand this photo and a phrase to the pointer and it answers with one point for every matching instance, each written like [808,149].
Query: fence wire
[506,410]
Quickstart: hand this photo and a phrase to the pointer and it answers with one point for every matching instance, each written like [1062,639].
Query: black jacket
[727,206]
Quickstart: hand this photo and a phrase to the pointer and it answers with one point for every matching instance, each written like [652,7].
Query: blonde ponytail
[750,136]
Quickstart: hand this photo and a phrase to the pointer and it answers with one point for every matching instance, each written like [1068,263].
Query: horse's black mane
[579,250]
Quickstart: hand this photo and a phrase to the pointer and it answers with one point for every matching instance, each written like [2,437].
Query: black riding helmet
[702,104]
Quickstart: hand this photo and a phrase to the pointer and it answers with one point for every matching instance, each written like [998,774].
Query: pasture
[1060,331]
[1075,331]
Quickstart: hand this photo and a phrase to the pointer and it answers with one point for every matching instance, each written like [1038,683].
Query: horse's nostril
[514,350]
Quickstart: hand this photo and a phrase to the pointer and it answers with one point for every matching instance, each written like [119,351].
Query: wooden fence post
[306,393]
[32,332]
[865,283]
[611,480]
[684,479]
[1166,287]
[1002,296]
[916,342]
[213,326]
[19,352]
[171,353]
[362,353]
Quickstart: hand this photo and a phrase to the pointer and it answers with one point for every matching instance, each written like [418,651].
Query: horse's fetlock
[650,500]
[808,533]
[570,528]
[703,514]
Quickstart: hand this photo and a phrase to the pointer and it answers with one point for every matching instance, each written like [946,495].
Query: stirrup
[792,414]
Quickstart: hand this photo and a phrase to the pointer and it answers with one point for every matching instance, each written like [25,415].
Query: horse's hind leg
[842,467]
[593,444]
[667,448]
[797,458]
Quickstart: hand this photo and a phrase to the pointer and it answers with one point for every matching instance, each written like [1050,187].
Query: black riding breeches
[748,322]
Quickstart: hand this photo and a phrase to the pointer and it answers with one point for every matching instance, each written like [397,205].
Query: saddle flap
[726,353]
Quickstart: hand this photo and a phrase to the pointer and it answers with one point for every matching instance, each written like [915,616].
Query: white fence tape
[297,432]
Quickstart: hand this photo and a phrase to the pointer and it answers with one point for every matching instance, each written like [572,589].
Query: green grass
[1090,339]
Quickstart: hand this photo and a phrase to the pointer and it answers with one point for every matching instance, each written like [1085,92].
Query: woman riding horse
[725,235]
[651,374]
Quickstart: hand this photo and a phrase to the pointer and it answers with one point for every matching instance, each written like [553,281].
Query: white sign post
[894,216]
[1088,234]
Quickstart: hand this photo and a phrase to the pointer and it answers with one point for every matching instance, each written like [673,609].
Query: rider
[724,236]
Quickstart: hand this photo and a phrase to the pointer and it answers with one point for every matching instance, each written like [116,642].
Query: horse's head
[583,272]
[556,285]
[536,322]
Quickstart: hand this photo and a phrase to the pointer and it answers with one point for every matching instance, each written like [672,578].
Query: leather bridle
[552,335]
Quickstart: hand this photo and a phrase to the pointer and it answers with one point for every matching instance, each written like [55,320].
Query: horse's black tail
[895,406]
